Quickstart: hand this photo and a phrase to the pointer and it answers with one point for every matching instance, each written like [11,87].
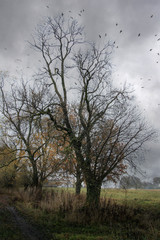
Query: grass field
[123,215]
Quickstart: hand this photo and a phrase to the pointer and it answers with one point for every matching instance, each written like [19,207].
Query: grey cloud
[132,59]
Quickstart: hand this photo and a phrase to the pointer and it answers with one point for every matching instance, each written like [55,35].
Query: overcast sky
[134,25]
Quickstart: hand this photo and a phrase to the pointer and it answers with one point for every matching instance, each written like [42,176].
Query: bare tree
[109,129]
[34,141]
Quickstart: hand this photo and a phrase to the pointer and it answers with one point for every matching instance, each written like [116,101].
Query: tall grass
[124,221]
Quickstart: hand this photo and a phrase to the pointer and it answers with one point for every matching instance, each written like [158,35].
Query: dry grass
[119,220]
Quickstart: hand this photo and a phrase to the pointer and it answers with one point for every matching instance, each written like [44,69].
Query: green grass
[124,215]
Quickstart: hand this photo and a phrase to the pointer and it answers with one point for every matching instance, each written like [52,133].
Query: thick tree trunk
[35,179]
[93,192]
[78,186]
[78,180]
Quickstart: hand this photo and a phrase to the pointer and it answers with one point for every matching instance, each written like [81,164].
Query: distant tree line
[128,182]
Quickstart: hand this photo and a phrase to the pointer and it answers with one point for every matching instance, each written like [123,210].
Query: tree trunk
[35,180]
[78,186]
[93,192]
[78,180]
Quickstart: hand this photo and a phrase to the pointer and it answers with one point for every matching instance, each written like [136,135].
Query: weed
[66,215]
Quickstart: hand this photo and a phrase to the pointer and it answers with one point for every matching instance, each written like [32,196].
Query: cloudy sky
[134,25]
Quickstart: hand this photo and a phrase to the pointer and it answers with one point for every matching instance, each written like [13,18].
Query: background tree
[156,182]
[8,170]
[75,67]
[130,182]
[36,143]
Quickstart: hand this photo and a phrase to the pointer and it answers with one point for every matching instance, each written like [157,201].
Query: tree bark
[93,192]
[78,179]
[78,185]
[35,180]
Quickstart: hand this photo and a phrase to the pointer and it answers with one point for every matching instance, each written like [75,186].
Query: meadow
[122,215]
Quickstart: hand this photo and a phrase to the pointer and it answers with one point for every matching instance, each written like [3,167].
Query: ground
[13,225]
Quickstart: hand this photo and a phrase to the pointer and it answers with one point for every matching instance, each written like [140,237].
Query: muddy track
[28,231]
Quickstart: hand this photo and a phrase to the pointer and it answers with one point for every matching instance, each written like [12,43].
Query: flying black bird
[139,35]
[151,15]
[116,24]
[114,42]
[18,60]
[158,39]
[47,6]
[120,31]
[99,36]
[150,49]
[155,35]
[157,62]
[79,14]
[62,13]
[69,11]
[117,47]
[105,34]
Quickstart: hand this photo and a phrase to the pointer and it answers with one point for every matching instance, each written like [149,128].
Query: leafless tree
[109,129]
[34,141]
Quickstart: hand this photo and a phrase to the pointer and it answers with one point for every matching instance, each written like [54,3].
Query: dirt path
[28,231]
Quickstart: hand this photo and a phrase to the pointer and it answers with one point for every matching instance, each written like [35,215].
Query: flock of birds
[18,60]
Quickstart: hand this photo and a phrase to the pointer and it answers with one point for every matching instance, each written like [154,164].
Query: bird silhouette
[158,53]
[105,34]
[120,31]
[47,6]
[150,49]
[139,35]
[158,39]
[152,16]
[155,35]
[18,60]
[79,14]
[99,36]
[116,24]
